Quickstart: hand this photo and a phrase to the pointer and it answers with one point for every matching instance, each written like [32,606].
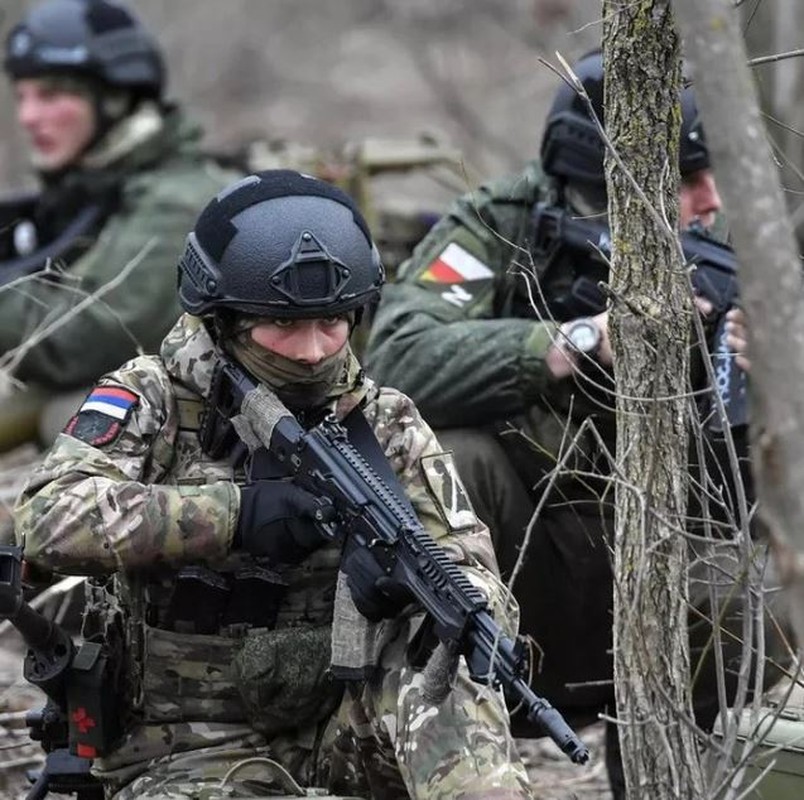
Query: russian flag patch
[102,415]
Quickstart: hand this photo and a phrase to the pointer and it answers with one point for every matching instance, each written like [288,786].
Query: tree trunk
[774,26]
[650,329]
[770,275]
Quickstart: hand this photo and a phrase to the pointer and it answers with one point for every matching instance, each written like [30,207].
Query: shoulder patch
[455,274]
[455,264]
[447,491]
[103,415]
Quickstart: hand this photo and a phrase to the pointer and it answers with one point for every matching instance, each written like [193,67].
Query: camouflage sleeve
[145,237]
[92,509]
[439,334]
[433,486]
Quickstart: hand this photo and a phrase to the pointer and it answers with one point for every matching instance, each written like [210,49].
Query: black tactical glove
[375,595]
[281,521]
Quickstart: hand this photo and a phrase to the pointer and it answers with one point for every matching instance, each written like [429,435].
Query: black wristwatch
[582,335]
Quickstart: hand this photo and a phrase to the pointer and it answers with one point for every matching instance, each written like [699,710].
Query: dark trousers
[563,584]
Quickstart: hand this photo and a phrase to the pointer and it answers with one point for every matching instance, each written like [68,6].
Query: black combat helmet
[279,244]
[91,38]
[572,148]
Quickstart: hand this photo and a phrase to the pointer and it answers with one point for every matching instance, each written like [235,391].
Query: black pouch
[198,601]
[283,677]
[255,598]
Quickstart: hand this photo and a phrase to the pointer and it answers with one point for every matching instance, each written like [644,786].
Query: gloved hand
[374,594]
[281,521]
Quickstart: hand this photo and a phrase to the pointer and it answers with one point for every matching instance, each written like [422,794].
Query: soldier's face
[59,124]
[307,341]
[698,199]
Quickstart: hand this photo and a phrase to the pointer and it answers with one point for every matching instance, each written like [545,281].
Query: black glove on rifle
[281,521]
[374,594]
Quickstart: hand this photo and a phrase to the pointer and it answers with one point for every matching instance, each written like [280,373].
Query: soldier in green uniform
[235,624]
[490,338]
[122,180]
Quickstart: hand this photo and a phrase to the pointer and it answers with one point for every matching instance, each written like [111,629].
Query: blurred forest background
[464,71]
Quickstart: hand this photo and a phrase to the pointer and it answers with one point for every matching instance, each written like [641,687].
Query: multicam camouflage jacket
[131,494]
[150,179]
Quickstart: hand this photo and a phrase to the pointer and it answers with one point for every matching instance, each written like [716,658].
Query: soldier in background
[212,586]
[494,342]
[122,180]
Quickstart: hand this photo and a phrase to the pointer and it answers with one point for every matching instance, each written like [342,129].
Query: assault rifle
[587,241]
[377,520]
[72,725]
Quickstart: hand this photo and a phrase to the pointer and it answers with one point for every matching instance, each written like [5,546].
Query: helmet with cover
[93,39]
[279,244]
[572,148]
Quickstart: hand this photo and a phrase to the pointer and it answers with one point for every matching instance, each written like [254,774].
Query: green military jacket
[140,499]
[156,183]
[457,330]
[465,328]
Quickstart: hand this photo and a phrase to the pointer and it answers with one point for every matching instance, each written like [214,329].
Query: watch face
[584,336]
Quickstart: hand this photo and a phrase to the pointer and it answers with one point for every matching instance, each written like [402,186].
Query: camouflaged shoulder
[431,481]
[148,377]
[426,472]
[150,422]
[402,433]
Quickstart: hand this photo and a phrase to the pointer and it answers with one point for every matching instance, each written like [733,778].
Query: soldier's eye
[282,323]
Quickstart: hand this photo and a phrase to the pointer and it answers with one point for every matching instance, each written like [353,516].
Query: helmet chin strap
[110,107]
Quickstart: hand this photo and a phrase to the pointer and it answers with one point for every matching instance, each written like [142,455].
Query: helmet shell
[279,244]
[96,39]
[572,148]
[693,154]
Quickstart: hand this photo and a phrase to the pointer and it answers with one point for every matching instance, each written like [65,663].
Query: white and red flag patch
[456,265]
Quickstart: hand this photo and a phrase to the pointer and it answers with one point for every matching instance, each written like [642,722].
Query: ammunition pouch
[274,680]
[198,601]
[283,677]
[189,677]
[190,649]
[207,602]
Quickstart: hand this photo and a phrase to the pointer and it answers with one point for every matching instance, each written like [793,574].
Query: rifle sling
[365,442]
